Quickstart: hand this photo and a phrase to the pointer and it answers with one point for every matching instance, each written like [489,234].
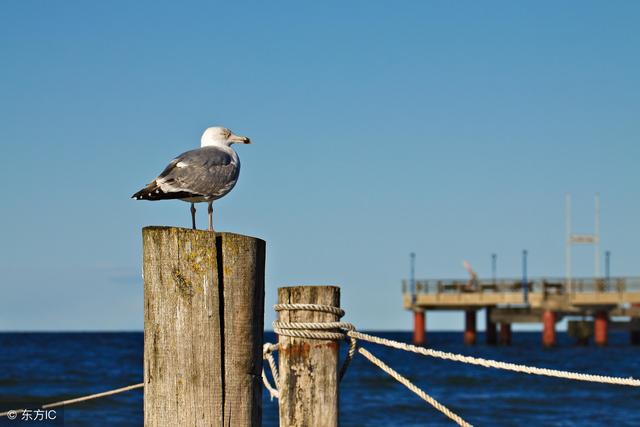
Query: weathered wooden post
[203,324]
[308,367]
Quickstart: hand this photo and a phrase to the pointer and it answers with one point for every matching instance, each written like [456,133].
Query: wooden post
[203,322]
[308,367]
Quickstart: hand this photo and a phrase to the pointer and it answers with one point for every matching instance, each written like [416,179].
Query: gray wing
[207,171]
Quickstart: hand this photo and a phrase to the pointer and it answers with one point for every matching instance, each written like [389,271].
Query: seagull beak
[239,139]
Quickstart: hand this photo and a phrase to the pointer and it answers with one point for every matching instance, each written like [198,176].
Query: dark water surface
[47,367]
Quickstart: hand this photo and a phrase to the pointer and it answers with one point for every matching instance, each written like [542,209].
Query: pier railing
[545,285]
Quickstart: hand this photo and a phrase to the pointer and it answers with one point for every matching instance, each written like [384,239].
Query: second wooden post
[308,367]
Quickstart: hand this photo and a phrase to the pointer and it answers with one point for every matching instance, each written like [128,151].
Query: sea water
[46,367]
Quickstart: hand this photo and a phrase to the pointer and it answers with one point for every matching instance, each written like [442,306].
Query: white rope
[408,384]
[310,307]
[487,363]
[312,330]
[267,354]
[340,330]
[78,399]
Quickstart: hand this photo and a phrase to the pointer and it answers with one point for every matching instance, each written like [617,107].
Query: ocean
[46,367]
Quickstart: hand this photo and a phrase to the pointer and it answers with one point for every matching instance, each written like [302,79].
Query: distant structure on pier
[581,239]
[525,300]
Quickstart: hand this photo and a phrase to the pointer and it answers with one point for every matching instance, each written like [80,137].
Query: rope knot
[312,330]
[308,330]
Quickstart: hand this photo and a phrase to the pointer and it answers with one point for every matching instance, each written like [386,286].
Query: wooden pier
[545,301]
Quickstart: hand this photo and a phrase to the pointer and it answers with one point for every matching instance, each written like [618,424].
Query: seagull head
[221,136]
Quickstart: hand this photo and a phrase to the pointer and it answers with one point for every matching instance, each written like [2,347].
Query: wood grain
[243,259]
[203,314]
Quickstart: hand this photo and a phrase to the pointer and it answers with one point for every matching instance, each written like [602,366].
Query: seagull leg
[193,216]
[210,210]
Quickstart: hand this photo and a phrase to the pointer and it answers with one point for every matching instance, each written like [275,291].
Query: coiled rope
[316,330]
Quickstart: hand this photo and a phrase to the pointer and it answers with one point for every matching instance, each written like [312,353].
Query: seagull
[201,175]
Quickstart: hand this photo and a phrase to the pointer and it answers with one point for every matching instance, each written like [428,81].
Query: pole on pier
[470,327]
[505,333]
[568,242]
[308,367]
[600,323]
[203,323]
[548,328]
[607,269]
[494,267]
[490,328]
[412,274]
[525,282]
[596,236]
[419,323]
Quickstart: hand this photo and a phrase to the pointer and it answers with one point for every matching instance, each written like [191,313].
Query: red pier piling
[548,328]
[505,333]
[470,327]
[600,326]
[419,327]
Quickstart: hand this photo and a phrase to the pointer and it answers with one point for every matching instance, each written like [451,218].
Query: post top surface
[336,287]
[160,228]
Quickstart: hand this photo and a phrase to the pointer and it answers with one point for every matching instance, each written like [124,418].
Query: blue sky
[452,129]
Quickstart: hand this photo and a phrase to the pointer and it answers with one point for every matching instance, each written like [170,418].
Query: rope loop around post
[310,307]
[318,330]
[310,330]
